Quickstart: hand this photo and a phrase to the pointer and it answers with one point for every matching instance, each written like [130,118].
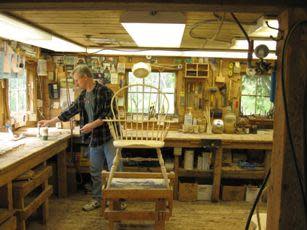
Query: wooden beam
[285,201]
[263,6]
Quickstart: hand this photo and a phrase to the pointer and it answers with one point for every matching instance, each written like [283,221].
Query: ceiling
[102,28]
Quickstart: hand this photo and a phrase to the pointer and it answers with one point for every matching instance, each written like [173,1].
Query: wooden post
[285,202]
[62,174]
[177,154]
[217,174]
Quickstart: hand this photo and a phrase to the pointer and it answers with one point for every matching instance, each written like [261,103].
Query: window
[255,95]
[18,97]
[164,81]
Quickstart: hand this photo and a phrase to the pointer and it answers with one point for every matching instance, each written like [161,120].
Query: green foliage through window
[255,95]
[164,81]
[17,97]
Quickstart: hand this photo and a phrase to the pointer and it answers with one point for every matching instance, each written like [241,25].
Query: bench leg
[44,209]
[21,224]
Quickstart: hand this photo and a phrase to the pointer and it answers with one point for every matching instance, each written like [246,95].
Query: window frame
[255,96]
[166,93]
[18,115]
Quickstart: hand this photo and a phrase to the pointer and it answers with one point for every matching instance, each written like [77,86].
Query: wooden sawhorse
[132,186]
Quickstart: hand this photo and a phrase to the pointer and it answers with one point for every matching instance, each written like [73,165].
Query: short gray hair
[82,70]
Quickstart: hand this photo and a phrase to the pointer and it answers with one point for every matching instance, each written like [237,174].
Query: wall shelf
[197,70]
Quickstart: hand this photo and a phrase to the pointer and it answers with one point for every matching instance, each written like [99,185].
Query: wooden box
[233,193]
[188,191]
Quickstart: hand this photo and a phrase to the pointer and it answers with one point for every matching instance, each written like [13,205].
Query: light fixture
[141,69]
[13,29]
[242,44]
[177,53]
[262,29]
[56,44]
[154,29]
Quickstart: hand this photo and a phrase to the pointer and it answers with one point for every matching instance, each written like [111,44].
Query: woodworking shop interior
[153,114]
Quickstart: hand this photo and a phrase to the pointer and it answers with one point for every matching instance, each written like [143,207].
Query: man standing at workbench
[93,105]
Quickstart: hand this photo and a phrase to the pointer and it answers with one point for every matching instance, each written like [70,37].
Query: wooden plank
[136,194]
[285,195]
[16,163]
[243,174]
[217,175]
[62,174]
[4,215]
[211,5]
[9,224]
[105,175]
[132,215]
[24,214]
[195,173]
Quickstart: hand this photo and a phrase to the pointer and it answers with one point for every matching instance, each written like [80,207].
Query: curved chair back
[139,113]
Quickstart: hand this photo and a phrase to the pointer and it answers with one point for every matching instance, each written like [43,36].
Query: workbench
[28,153]
[263,140]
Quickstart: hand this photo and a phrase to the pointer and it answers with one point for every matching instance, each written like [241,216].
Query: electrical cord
[257,200]
[250,42]
[220,20]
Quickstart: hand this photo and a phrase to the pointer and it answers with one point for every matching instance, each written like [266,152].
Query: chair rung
[139,159]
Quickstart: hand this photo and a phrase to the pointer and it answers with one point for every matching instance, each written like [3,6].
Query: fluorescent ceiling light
[262,30]
[155,29]
[176,53]
[57,44]
[242,44]
[13,29]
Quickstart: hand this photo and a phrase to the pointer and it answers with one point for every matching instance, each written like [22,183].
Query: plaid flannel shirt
[102,99]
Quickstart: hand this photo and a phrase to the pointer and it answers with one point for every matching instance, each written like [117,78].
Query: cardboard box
[187,192]
[204,192]
[251,193]
[233,193]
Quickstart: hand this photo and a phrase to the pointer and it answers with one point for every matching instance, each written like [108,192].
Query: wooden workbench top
[28,147]
[261,136]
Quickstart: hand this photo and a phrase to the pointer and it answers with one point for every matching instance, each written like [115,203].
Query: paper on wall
[63,97]
[114,78]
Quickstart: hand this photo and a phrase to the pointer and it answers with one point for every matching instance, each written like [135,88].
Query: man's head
[82,76]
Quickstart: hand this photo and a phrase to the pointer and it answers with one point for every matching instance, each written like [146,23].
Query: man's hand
[44,123]
[87,128]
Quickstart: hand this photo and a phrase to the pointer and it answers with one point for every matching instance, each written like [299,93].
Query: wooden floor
[67,214]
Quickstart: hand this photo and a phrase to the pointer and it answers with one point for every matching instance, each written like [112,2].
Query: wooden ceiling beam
[259,6]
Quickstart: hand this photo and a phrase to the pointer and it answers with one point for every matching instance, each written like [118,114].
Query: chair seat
[138,144]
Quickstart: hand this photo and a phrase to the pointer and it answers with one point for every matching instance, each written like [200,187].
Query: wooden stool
[137,187]
[22,188]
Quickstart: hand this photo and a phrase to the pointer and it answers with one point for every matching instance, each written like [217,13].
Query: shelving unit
[196,76]
[197,70]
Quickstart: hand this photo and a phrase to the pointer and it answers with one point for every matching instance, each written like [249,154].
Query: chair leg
[163,169]
[114,166]
[160,215]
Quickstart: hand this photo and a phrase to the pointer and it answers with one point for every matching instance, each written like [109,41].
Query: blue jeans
[97,157]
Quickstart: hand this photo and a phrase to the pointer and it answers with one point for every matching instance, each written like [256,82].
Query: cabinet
[196,70]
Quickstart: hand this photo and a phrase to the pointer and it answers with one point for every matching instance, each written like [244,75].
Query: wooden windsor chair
[139,122]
